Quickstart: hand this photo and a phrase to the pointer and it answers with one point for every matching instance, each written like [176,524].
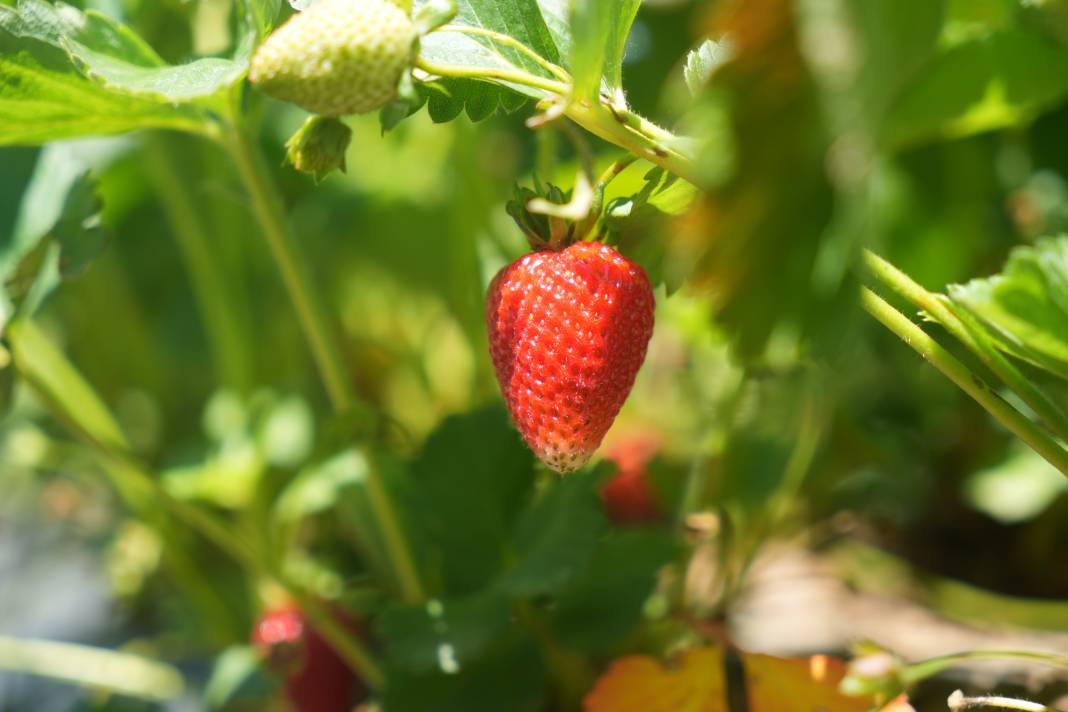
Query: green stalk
[932,666]
[936,307]
[267,205]
[618,126]
[971,384]
[124,673]
[226,332]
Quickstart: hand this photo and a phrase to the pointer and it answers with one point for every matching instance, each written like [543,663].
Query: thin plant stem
[959,703]
[970,383]
[512,42]
[267,204]
[923,669]
[617,167]
[937,308]
[513,76]
[224,327]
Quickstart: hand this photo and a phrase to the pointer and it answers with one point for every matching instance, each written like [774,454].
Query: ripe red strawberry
[316,678]
[628,496]
[568,331]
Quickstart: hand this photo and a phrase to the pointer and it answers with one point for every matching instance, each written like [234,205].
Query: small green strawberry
[337,57]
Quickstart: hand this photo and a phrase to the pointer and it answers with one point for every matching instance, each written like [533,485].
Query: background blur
[833,127]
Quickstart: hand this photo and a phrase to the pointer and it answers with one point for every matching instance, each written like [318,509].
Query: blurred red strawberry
[629,497]
[316,677]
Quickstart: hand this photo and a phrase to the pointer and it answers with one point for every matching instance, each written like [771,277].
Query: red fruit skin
[568,331]
[628,496]
[316,677]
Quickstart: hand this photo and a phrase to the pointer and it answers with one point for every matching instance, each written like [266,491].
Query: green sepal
[318,147]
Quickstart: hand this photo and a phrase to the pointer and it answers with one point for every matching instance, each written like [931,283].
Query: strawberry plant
[335,302]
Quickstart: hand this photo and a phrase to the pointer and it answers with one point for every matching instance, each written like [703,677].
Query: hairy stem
[936,307]
[958,703]
[617,125]
[971,384]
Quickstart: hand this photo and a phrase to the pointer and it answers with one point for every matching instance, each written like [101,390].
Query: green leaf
[599,30]
[1025,308]
[1000,79]
[446,98]
[39,361]
[519,19]
[602,606]
[510,676]
[113,55]
[557,536]
[43,98]
[318,488]
[234,668]
[260,15]
[701,62]
[58,230]
[470,480]
[446,636]
[59,23]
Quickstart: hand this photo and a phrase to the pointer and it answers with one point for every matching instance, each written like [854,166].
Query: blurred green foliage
[931,130]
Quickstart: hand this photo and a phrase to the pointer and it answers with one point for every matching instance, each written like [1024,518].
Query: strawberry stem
[267,205]
[970,383]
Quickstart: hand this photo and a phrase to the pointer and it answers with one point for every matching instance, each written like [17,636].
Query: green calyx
[318,146]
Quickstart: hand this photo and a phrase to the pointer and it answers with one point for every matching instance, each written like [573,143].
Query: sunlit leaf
[43,98]
[521,20]
[599,30]
[1025,307]
[985,82]
[113,55]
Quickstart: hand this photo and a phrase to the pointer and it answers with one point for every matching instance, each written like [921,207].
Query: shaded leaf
[443,636]
[605,603]
[510,676]
[469,482]
[557,536]
[58,231]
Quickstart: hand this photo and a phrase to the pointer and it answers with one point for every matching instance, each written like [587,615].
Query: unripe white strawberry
[337,57]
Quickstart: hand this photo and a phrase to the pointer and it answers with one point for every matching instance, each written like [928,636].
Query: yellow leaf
[797,685]
[693,682]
